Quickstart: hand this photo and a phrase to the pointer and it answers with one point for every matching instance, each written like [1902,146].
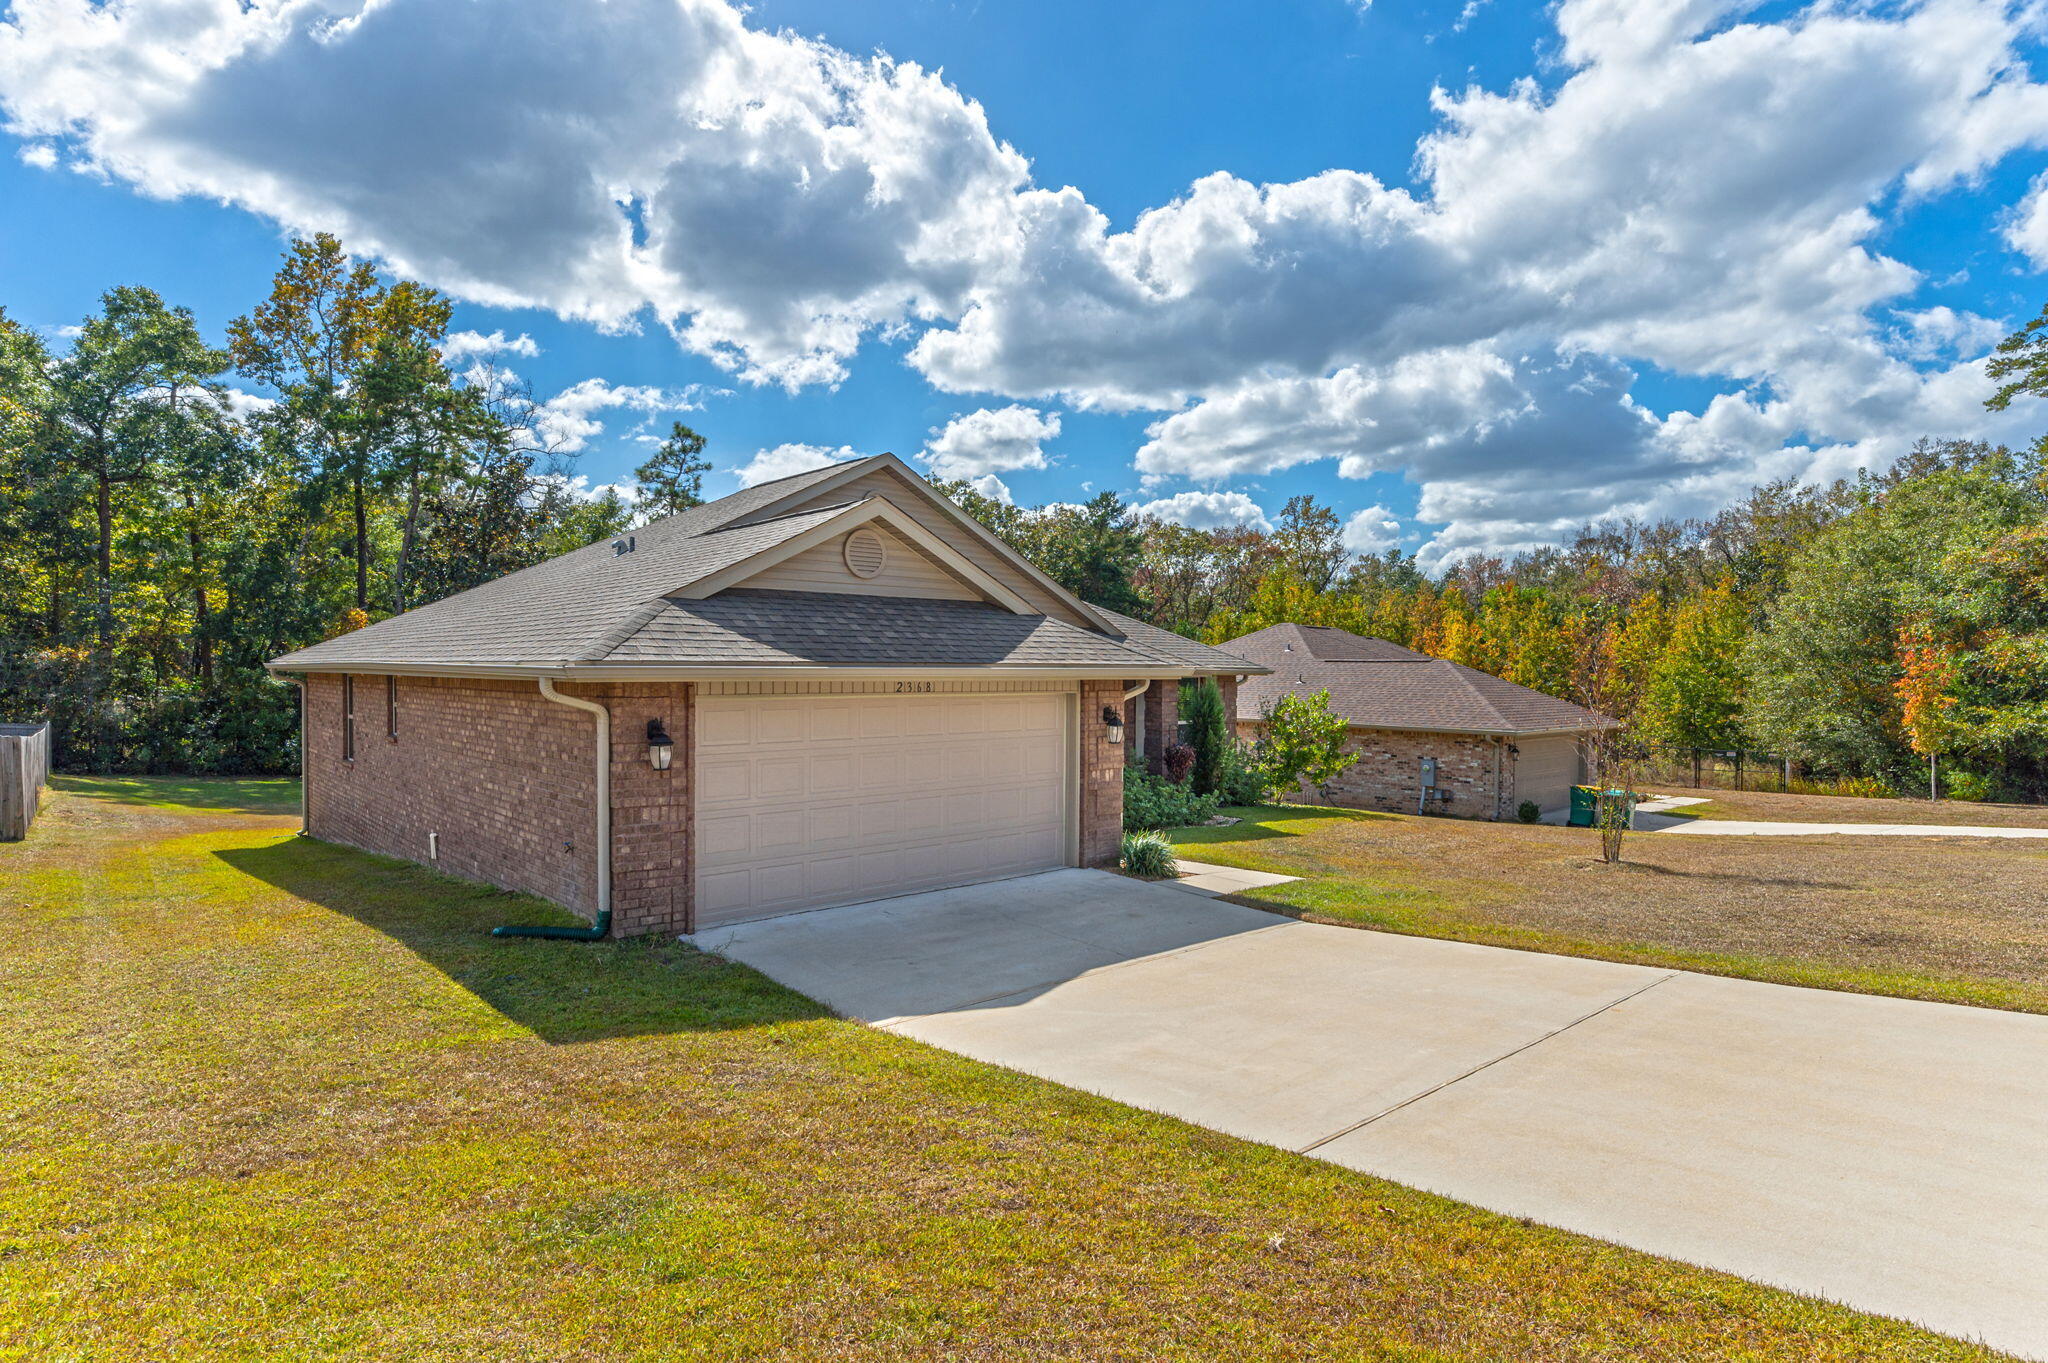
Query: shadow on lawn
[240,794]
[561,991]
[1257,822]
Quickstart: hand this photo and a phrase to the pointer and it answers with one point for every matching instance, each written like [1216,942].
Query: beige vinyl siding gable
[914,503]
[906,572]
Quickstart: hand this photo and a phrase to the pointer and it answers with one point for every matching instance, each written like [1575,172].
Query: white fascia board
[873,509]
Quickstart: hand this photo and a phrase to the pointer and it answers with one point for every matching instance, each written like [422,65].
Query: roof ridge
[725,526]
[1464,672]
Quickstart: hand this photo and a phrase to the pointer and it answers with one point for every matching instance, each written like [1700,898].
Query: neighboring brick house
[824,689]
[1432,736]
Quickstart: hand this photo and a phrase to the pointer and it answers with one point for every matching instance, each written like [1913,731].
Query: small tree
[1611,758]
[1925,689]
[1303,742]
[672,479]
[1201,705]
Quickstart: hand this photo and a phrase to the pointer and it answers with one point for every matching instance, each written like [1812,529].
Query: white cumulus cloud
[783,460]
[1372,531]
[1208,510]
[993,440]
[461,345]
[567,422]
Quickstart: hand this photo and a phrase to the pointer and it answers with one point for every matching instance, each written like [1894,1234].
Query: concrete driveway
[1888,1154]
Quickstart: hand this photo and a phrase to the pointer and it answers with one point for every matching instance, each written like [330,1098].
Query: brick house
[1431,735]
[828,688]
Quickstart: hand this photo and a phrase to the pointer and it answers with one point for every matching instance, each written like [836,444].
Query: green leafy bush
[1527,811]
[1242,779]
[1968,785]
[1147,854]
[1155,802]
[1301,741]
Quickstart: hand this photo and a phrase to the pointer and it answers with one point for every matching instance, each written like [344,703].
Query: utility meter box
[1428,773]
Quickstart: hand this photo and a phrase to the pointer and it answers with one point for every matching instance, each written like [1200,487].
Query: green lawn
[1962,921]
[267,1098]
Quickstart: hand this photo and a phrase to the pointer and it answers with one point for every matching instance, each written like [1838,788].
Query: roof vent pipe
[601,926]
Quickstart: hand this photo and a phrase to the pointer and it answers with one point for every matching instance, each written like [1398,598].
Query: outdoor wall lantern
[1114,723]
[661,749]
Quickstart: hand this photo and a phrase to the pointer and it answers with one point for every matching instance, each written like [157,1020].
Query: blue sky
[1613,257]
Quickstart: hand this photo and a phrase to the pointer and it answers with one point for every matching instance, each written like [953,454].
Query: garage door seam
[1313,1146]
[1086,974]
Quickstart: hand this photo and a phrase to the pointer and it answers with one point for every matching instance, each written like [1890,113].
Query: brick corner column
[651,881]
[1102,778]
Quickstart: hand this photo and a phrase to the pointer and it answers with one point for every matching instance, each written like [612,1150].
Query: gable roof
[1375,684]
[677,600]
[893,473]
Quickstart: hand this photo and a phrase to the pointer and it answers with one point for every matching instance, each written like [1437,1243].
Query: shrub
[1968,785]
[1301,741]
[1242,781]
[1179,760]
[1147,854]
[1201,706]
[1527,811]
[1155,802]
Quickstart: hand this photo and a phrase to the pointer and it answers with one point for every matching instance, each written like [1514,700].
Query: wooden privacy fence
[24,766]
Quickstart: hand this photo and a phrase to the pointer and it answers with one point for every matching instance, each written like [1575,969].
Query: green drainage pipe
[601,926]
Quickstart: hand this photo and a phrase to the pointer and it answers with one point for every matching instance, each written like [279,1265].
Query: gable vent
[865,554]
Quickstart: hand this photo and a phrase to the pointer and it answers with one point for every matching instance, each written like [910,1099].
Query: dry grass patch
[268,1098]
[1963,920]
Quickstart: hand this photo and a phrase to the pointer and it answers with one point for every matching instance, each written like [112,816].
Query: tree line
[173,512]
[164,530]
[1855,628]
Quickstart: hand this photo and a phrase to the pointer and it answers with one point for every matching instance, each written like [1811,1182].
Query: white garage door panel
[1546,769]
[811,800]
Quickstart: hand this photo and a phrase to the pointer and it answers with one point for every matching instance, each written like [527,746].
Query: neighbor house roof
[1379,685]
[673,596]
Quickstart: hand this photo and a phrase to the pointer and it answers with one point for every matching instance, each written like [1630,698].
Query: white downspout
[603,923]
[305,761]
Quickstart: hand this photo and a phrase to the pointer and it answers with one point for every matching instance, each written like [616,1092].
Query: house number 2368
[904,687]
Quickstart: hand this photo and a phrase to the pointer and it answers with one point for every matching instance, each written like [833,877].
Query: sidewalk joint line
[1313,1146]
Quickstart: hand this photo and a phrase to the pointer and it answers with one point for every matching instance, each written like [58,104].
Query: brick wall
[1162,723]
[1102,777]
[1228,686]
[1388,773]
[505,777]
[651,826]
[502,774]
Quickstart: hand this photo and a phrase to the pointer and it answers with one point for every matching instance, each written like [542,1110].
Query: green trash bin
[1586,806]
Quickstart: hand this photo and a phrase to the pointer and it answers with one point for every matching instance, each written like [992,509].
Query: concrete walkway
[1757,828]
[1205,878]
[1884,1153]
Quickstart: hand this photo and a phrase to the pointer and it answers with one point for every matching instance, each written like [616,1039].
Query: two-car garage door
[804,801]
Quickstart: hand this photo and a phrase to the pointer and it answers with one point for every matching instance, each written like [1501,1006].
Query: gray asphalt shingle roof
[1199,657]
[829,628]
[1380,685]
[594,606]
